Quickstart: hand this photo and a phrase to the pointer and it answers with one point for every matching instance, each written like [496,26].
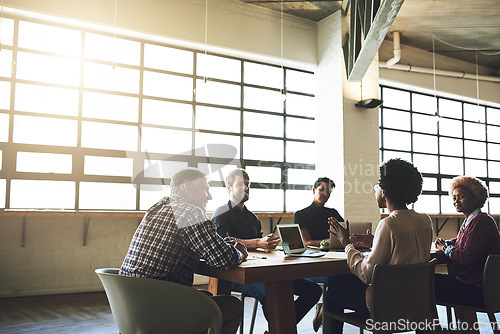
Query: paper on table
[336,255]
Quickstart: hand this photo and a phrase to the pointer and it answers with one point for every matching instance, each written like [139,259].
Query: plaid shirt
[170,241]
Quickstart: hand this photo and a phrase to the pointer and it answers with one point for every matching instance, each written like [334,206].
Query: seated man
[313,222]
[235,220]
[175,234]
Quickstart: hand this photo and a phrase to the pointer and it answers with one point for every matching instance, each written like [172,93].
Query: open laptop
[356,228]
[293,243]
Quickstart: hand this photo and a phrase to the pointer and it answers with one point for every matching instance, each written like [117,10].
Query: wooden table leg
[219,287]
[280,307]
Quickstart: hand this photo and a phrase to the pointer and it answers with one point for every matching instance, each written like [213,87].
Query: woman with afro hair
[403,237]
[477,238]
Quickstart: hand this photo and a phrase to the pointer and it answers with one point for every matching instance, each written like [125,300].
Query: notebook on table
[356,228]
[293,243]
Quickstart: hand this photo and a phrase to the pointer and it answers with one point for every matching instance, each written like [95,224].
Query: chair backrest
[143,305]
[403,292]
[491,280]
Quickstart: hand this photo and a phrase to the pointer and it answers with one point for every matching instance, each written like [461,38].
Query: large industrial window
[96,121]
[444,138]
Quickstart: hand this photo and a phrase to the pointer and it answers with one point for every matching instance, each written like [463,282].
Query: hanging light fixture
[368,103]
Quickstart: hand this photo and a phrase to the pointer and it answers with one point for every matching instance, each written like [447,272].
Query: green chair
[149,306]
[398,293]
[491,293]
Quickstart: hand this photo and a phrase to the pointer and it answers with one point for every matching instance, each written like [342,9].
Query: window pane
[427,203]
[450,108]
[219,198]
[474,149]
[218,93]
[300,81]
[217,119]
[3,189]
[7,35]
[166,141]
[429,184]
[252,149]
[449,127]
[94,165]
[266,200]
[451,166]
[394,155]
[113,49]
[297,199]
[474,131]
[42,194]
[425,143]
[447,205]
[493,116]
[423,123]
[494,169]
[167,113]
[111,196]
[263,99]
[264,174]
[300,105]
[493,133]
[262,124]
[46,38]
[116,79]
[46,100]
[44,131]
[475,167]
[302,176]
[150,194]
[493,151]
[163,169]
[396,99]
[167,85]
[474,113]
[112,107]
[263,75]
[4,127]
[423,103]
[4,95]
[217,172]
[449,146]
[6,63]
[168,59]
[426,163]
[446,186]
[494,204]
[218,67]
[42,68]
[220,146]
[301,152]
[299,128]
[396,140]
[44,162]
[494,187]
[396,119]
[109,136]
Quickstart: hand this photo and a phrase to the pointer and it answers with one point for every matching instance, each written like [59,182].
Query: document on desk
[336,255]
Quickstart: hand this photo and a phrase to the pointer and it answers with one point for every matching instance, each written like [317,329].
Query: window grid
[80,150]
[442,134]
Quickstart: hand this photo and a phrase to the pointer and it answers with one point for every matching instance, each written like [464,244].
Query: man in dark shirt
[235,220]
[313,222]
[175,234]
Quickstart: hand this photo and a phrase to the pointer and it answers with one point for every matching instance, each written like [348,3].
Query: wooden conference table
[277,271]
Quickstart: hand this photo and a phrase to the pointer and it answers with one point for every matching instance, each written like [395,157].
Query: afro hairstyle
[400,181]
[474,185]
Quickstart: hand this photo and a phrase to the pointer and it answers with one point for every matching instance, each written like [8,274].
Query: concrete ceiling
[458,28]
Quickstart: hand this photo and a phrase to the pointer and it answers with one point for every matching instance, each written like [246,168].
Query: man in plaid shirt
[175,234]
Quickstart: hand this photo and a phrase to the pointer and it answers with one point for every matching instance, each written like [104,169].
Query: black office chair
[491,293]
[398,292]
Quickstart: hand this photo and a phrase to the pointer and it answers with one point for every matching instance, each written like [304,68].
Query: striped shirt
[170,241]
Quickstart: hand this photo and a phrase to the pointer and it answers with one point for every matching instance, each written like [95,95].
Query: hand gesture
[269,242]
[339,231]
[440,244]
[243,250]
[365,240]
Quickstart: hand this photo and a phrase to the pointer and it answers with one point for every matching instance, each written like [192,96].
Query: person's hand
[269,242]
[230,240]
[365,240]
[339,231]
[243,250]
[440,244]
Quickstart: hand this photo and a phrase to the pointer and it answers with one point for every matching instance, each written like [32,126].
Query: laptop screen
[290,235]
